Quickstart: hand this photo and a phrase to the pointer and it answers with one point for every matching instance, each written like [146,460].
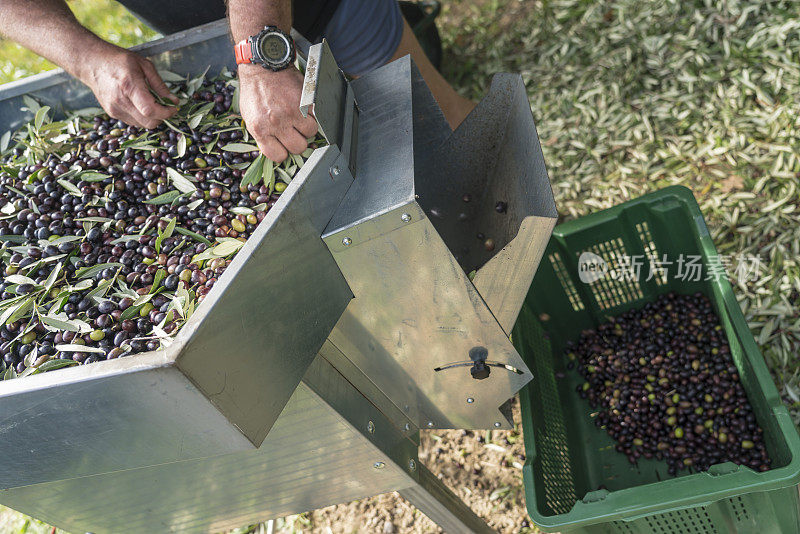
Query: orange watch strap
[243,52]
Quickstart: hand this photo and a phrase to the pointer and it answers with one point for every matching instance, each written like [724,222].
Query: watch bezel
[259,59]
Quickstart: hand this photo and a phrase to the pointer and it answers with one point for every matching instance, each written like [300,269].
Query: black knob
[480,370]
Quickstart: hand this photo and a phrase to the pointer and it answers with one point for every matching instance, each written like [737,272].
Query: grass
[106,18]
[630,97]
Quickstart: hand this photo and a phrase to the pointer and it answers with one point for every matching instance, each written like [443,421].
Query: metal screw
[379,465]
[412,465]
[371,427]
[335,170]
[407,427]
[430,424]
[405,217]
[497,425]
[470,400]
[346,241]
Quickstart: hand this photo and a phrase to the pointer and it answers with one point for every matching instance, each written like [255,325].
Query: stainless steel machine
[375,299]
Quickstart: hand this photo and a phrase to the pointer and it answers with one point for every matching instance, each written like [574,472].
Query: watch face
[274,48]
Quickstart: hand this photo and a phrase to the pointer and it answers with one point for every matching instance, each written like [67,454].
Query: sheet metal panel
[241,353]
[313,457]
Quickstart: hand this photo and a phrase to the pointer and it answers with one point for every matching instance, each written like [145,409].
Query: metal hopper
[368,255]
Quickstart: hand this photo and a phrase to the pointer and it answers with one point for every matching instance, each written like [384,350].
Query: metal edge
[504,280]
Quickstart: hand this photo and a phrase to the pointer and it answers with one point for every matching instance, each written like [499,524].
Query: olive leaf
[181,146]
[32,105]
[4,141]
[19,279]
[70,347]
[181,183]
[193,235]
[94,270]
[157,278]
[169,76]
[241,148]
[166,198]
[269,175]
[56,363]
[284,175]
[69,186]
[254,172]
[60,322]
[166,233]
[226,248]
[92,176]
[16,312]
[39,118]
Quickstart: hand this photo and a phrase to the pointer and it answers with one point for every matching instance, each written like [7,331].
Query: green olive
[97,335]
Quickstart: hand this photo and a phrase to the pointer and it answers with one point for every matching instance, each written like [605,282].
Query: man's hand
[270,106]
[121,80]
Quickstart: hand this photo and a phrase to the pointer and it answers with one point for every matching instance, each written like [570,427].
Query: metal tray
[220,387]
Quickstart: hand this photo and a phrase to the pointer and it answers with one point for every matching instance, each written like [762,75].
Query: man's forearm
[248,17]
[49,28]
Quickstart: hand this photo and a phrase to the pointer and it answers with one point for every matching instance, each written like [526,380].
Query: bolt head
[371,427]
[379,465]
[347,241]
[405,217]
[470,400]
[430,424]
[412,465]
[497,424]
[335,170]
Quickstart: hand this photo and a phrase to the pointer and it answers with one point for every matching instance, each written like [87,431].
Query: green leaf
[95,219]
[65,324]
[241,210]
[70,347]
[226,248]
[4,141]
[41,115]
[13,238]
[92,176]
[19,279]
[254,172]
[56,363]
[159,276]
[167,198]
[193,235]
[52,277]
[269,175]
[241,148]
[31,104]
[198,116]
[15,312]
[169,76]
[91,272]
[11,373]
[166,233]
[285,176]
[131,312]
[181,146]
[69,186]
[181,183]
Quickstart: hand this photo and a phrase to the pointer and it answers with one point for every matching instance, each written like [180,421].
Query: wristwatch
[271,48]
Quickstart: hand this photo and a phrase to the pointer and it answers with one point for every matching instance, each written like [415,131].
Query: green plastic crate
[569,458]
